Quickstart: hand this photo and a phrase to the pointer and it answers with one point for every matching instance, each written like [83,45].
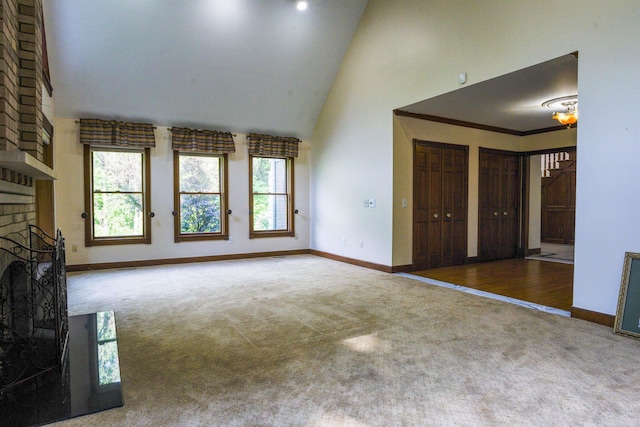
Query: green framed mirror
[628,313]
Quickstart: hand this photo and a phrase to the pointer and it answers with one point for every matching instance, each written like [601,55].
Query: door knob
[435,215]
[448,215]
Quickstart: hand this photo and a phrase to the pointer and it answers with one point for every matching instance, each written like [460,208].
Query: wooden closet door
[510,206]
[440,206]
[499,200]
[454,207]
[426,219]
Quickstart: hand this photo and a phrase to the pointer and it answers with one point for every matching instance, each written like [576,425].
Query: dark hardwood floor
[541,282]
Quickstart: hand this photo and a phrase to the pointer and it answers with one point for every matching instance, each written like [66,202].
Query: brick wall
[20,107]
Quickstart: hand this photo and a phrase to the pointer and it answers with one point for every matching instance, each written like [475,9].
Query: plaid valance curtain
[111,132]
[203,141]
[272,146]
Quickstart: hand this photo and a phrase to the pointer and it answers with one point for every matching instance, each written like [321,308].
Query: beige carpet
[306,341]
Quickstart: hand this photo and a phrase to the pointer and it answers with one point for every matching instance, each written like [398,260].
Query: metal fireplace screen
[34,325]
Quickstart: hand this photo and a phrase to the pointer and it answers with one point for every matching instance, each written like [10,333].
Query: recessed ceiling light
[301,5]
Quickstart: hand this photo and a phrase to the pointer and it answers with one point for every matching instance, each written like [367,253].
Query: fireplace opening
[33,313]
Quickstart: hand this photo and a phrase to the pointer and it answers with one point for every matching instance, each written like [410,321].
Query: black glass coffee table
[88,382]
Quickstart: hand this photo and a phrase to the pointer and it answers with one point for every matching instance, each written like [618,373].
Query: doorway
[509,107]
[559,197]
[553,197]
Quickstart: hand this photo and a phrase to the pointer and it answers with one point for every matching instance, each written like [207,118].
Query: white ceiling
[234,65]
[247,66]
[513,101]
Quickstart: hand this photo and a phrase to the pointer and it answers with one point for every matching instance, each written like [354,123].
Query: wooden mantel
[24,163]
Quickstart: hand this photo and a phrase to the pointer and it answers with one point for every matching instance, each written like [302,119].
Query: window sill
[260,234]
[118,241]
[196,237]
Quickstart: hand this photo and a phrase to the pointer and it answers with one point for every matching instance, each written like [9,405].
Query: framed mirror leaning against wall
[628,313]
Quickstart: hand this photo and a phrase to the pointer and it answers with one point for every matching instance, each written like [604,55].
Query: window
[117,200]
[200,197]
[271,204]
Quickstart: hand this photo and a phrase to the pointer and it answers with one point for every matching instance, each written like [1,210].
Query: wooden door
[558,201]
[499,199]
[440,205]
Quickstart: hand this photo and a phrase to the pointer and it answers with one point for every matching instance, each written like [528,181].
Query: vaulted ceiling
[233,65]
[247,66]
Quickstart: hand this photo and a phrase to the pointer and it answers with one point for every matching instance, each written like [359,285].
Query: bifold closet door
[499,199]
[440,205]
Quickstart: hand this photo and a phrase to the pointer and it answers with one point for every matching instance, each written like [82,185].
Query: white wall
[535,202]
[549,140]
[410,50]
[70,205]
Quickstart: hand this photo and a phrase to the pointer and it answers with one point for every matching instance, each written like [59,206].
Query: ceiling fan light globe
[566,118]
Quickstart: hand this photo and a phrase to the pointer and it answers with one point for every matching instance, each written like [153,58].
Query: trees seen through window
[200,197]
[117,196]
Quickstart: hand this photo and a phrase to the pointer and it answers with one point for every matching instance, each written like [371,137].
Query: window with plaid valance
[115,133]
[202,141]
[272,146]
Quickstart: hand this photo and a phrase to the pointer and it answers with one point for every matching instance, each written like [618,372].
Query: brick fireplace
[21,116]
[22,151]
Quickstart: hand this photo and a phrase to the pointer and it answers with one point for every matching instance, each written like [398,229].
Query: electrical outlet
[343,242]
[362,243]
[366,203]
[74,248]
[230,241]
